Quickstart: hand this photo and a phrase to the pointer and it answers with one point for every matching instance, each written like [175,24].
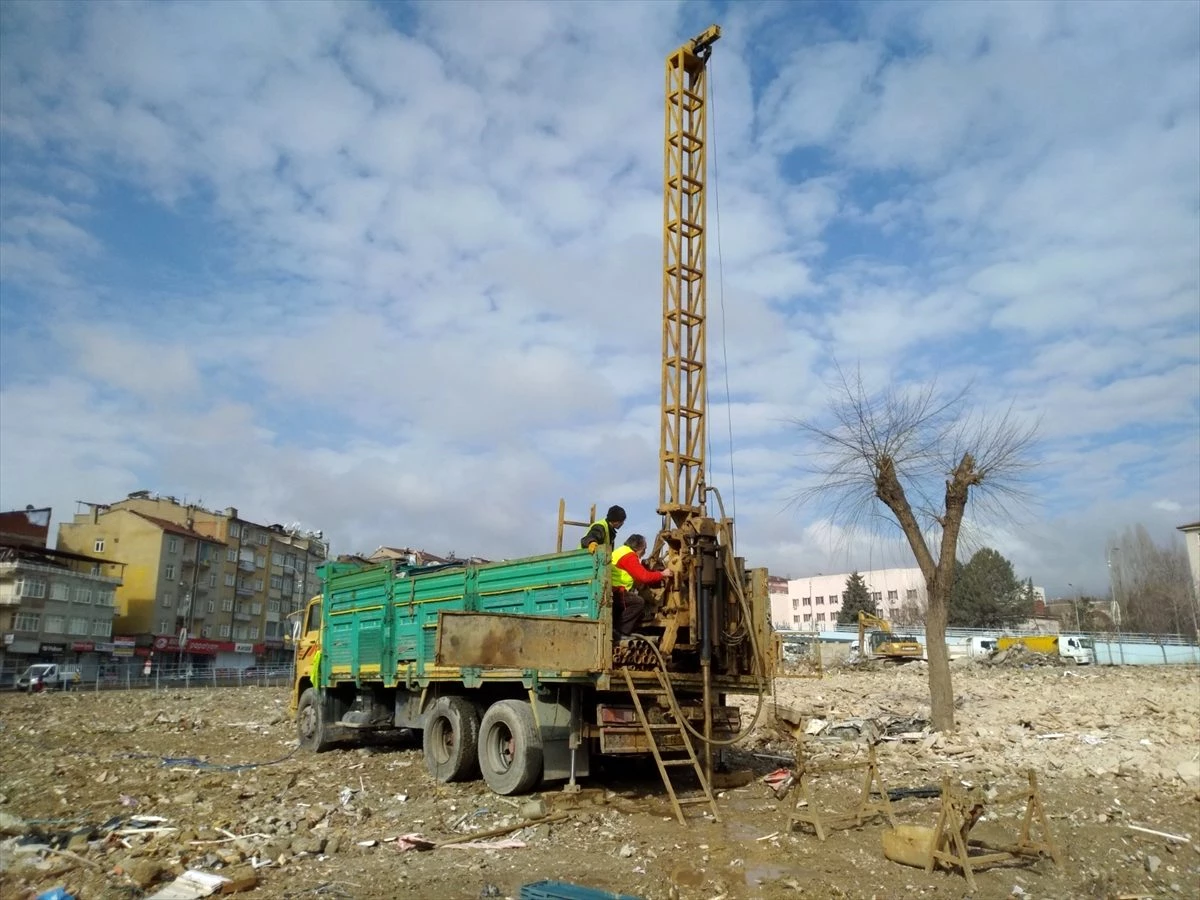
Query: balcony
[245,591]
[246,565]
[243,616]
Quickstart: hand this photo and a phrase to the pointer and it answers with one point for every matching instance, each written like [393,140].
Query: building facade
[813,603]
[204,588]
[55,606]
[1191,538]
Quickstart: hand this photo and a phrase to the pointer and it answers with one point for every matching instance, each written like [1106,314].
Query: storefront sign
[83,646]
[52,648]
[123,646]
[170,643]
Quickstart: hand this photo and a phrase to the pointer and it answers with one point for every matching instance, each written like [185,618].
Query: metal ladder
[664,765]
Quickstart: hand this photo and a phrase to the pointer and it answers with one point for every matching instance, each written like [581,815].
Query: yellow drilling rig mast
[715,614]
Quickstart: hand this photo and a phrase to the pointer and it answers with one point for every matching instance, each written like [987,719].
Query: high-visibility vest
[604,524]
[621,578]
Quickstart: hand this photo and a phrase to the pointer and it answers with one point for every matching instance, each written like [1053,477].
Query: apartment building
[206,587]
[55,606]
[812,603]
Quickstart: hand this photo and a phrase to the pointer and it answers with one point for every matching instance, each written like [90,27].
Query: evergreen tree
[857,598]
[986,593]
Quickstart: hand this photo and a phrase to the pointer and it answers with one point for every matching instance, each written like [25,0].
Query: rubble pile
[133,794]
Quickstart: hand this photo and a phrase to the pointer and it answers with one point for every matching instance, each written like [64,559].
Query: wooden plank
[503,640]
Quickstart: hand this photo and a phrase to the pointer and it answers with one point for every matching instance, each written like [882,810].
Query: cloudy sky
[393,271]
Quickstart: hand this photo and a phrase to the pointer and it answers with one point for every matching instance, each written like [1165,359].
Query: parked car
[48,676]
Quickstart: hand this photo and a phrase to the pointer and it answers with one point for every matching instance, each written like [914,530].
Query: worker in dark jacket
[603,533]
[628,574]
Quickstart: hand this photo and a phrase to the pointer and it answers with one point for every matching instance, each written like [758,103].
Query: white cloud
[414,274]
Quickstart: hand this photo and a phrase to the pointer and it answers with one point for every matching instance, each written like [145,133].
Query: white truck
[1073,647]
[48,676]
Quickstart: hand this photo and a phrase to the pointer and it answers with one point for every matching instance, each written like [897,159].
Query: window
[795,620]
[795,604]
[260,562]
[230,555]
[290,560]
[164,626]
[845,596]
[877,596]
[83,595]
[227,605]
[807,601]
[272,606]
[910,594]
[212,606]
[258,584]
[234,529]
[172,545]
[27,621]
[224,631]
[55,624]
[212,579]
[239,633]
[256,608]
[168,600]
[808,617]
[79,625]
[254,632]
[892,595]
[60,591]
[820,601]
[104,598]
[206,631]
[262,539]
[98,547]
[101,628]
[276,582]
[33,588]
[230,580]
[277,559]
[820,617]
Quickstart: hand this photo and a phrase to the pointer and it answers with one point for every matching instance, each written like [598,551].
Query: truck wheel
[510,747]
[451,740]
[311,726]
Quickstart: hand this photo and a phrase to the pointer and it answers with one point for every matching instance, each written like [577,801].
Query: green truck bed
[382,622]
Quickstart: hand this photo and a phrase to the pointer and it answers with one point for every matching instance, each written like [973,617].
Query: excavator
[882,644]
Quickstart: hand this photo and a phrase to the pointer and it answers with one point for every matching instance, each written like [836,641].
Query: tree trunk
[941,689]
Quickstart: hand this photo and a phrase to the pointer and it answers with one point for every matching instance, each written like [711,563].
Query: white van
[47,676]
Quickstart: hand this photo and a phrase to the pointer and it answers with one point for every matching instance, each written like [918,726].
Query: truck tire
[451,740]
[510,747]
[311,727]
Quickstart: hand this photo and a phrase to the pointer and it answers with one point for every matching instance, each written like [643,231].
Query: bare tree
[1156,593]
[921,455]
[910,615]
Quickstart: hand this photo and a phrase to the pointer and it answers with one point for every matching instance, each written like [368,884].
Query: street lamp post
[1078,601]
[1114,580]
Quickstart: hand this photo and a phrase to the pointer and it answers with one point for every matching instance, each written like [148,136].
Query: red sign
[83,646]
[170,643]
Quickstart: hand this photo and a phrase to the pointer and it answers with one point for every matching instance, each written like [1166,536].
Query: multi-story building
[55,606]
[204,586]
[813,603]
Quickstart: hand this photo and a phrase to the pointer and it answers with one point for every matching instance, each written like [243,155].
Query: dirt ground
[1113,748]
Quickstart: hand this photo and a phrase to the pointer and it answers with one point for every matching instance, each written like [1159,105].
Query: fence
[130,676]
[1111,649]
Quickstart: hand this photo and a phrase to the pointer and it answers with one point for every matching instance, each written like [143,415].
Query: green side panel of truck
[380,622]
